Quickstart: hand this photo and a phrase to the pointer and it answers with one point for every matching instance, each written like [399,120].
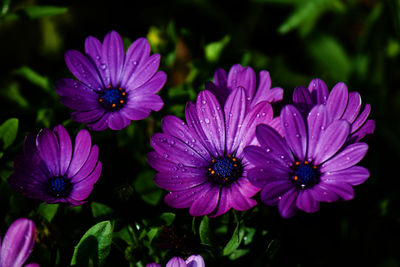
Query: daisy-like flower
[192,261]
[340,104]
[257,90]
[52,170]
[310,165]
[18,244]
[201,162]
[113,88]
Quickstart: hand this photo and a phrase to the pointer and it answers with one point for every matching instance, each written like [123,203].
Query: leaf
[33,77]
[35,12]
[8,132]
[48,211]
[281,2]
[235,241]
[152,234]
[214,50]
[147,189]
[100,210]
[168,217]
[204,231]
[238,253]
[94,245]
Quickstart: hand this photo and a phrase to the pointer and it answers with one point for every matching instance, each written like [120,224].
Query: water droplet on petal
[207,120]
[103,66]
[165,155]
[204,102]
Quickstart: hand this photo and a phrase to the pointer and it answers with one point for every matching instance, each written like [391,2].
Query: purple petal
[317,121]
[32,265]
[260,113]
[319,91]
[244,77]
[287,204]
[117,120]
[224,203]
[354,175]
[101,124]
[366,129]
[277,125]
[176,262]
[178,181]
[18,243]
[219,87]
[337,101]
[220,78]
[30,149]
[83,69]
[152,86]
[242,191]
[361,119]
[350,156]
[65,148]
[261,176]
[185,198]
[235,111]
[136,56]
[159,163]
[322,193]
[211,121]
[342,190]
[302,99]
[139,107]
[82,149]
[88,116]
[295,131]
[49,150]
[153,264]
[113,55]
[306,202]
[259,157]
[144,72]
[93,48]
[195,261]
[264,93]
[273,191]
[176,127]
[331,140]
[177,151]
[76,95]
[84,187]
[206,202]
[353,107]
[88,167]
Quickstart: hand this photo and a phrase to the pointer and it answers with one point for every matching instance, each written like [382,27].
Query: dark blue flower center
[59,187]
[305,174]
[113,99]
[225,170]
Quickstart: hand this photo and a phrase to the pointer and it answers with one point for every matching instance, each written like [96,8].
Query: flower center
[113,99]
[305,174]
[59,187]
[225,170]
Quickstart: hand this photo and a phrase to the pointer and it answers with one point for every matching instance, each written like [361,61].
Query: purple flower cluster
[191,261]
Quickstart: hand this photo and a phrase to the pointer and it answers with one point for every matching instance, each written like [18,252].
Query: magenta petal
[361,119]
[302,99]
[177,151]
[152,86]
[331,140]
[84,187]
[139,106]
[287,204]
[354,175]
[263,92]
[319,91]
[144,72]
[224,203]
[100,124]
[18,243]
[49,150]
[117,120]
[211,121]
[83,69]
[353,107]
[195,261]
[82,149]
[317,121]
[273,191]
[76,95]
[322,193]
[30,146]
[185,198]
[342,190]
[244,77]
[159,163]
[260,158]
[219,87]
[306,202]
[350,156]
[32,265]
[366,129]
[113,55]
[153,264]
[206,202]
[65,148]
[178,181]
[93,48]
[337,101]
[88,116]
[242,191]
[235,112]
[295,131]
[260,176]
[137,54]
[88,167]
[176,262]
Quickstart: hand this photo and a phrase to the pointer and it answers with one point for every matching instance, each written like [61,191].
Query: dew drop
[103,66]
[165,155]
[268,150]
[207,120]
[134,62]
[286,124]
[204,102]
[294,114]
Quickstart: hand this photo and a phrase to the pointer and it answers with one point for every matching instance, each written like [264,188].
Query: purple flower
[18,244]
[340,104]
[311,164]
[113,88]
[201,162]
[52,170]
[256,90]
[192,261]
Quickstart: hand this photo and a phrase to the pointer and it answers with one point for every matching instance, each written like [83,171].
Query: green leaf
[168,217]
[147,189]
[204,231]
[152,234]
[4,7]
[33,77]
[8,132]
[35,12]
[235,241]
[94,245]
[213,50]
[238,253]
[100,210]
[48,211]
[281,2]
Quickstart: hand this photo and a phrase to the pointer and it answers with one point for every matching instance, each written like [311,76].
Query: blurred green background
[354,41]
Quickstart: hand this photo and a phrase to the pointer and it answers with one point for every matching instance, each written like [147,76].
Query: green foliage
[204,231]
[213,50]
[34,77]
[100,210]
[94,246]
[48,211]
[8,132]
[235,240]
[146,188]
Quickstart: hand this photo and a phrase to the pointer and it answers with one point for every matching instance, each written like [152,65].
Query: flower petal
[242,191]
[322,193]
[219,88]
[295,131]
[49,150]
[76,95]
[65,152]
[319,91]
[353,107]
[89,116]
[100,124]
[350,156]
[117,120]
[139,107]
[306,202]
[287,204]
[185,198]
[178,181]
[361,119]
[261,176]
[152,86]
[302,99]
[143,72]
[93,49]
[224,203]
[82,149]
[244,77]
[354,175]
[337,101]
[82,189]
[317,121]
[88,167]
[366,129]
[206,202]
[176,262]
[195,261]
[342,190]
[273,191]
[113,55]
